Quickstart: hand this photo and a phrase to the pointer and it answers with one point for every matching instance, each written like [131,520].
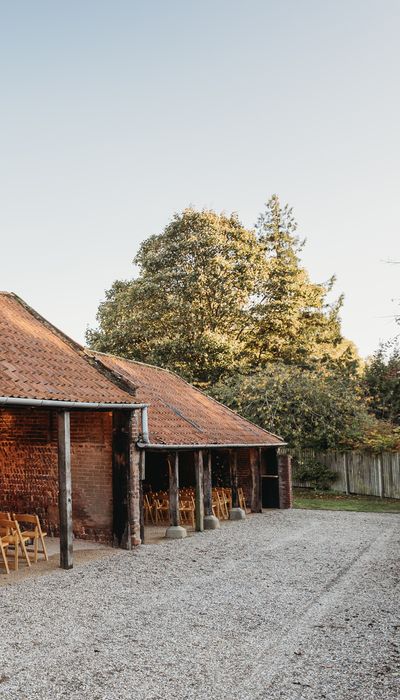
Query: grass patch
[328,500]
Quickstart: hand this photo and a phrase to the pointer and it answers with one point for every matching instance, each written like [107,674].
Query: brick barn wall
[270,464]
[285,481]
[28,468]
[244,474]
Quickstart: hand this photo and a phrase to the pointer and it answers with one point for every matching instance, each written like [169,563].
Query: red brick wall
[244,474]
[285,481]
[28,468]
[284,472]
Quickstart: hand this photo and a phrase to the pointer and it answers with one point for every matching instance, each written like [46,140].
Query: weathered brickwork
[244,474]
[284,473]
[29,472]
[285,481]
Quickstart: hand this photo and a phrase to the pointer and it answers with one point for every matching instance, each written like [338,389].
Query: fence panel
[361,473]
[391,474]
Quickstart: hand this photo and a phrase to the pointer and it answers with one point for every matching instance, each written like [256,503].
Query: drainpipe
[145,425]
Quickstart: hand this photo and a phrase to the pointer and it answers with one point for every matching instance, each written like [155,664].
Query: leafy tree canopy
[213,298]
[293,320]
[310,408]
[187,310]
[382,383]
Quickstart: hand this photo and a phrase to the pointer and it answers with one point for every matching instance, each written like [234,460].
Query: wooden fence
[361,473]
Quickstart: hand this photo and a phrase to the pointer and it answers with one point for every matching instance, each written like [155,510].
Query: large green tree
[382,382]
[188,307]
[293,320]
[212,298]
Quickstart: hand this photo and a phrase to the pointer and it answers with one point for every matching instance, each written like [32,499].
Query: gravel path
[288,604]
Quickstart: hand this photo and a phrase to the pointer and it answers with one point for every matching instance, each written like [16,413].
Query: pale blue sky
[117,113]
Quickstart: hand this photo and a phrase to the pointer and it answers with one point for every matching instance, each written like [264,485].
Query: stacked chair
[156,505]
[21,535]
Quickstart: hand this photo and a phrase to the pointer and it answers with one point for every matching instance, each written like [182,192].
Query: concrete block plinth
[175,532]
[211,522]
[237,514]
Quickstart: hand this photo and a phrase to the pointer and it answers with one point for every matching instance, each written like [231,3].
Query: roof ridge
[200,391]
[110,374]
[137,362]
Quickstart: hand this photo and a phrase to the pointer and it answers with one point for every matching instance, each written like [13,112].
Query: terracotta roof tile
[180,414]
[38,362]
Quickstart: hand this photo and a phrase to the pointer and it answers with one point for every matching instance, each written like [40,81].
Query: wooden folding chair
[224,503]
[161,508]
[215,505]
[34,533]
[242,500]
[148,509]
[187,510]
[228,497]
[218,506]
[3,553]
[12,537]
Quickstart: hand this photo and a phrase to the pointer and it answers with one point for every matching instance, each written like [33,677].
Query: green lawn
[327,500]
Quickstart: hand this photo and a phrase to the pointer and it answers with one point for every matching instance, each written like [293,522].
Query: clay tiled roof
[179,414]
[38,362]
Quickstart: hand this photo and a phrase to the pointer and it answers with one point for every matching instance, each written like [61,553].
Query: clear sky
[115,114]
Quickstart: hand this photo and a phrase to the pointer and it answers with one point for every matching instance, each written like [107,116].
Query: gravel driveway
[288,604]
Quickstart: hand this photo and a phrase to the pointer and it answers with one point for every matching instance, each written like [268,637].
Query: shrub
[309,470]
[307,407]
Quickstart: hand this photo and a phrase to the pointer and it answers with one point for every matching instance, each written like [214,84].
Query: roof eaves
[200,446]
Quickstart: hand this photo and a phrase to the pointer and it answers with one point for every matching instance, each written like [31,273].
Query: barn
[85,437]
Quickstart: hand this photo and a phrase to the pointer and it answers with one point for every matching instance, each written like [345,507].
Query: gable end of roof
[112,376]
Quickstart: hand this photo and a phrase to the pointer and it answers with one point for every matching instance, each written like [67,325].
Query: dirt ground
[288,604]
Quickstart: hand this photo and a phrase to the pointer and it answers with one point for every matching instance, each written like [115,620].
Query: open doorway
[269,479]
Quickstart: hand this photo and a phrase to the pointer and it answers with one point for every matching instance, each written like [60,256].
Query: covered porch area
[75,465]
[193,488]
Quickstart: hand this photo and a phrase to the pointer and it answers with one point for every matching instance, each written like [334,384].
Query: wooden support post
[142,477]
[134,500]
[120,479]
[207,481]
[65,492]
[234,478]
[255,468]
[198,468]
[211,521]
[126,481]
[175,531]
[173,469]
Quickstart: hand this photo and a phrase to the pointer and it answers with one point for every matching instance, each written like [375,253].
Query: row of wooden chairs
[222,502]
[18,532]
[156,505]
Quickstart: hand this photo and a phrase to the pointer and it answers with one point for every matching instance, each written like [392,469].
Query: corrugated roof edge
[203,393]
[112,376]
